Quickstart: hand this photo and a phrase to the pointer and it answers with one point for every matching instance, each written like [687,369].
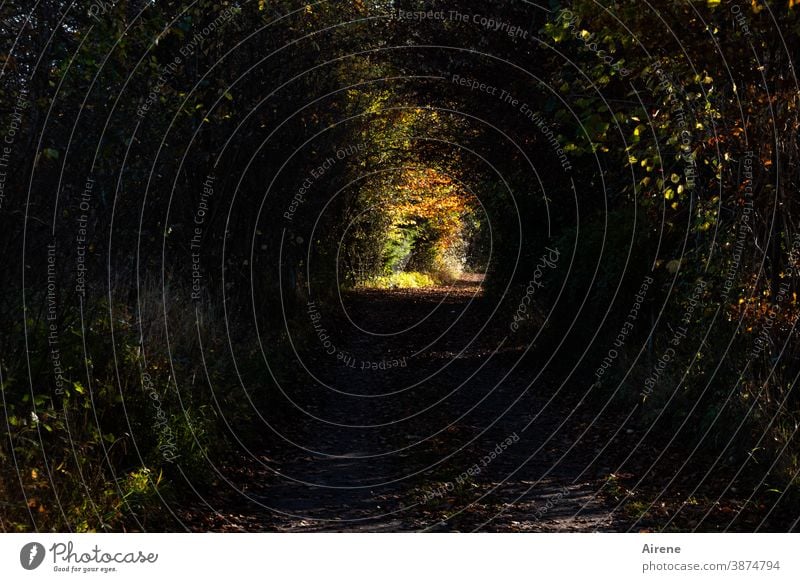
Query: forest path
[426,423]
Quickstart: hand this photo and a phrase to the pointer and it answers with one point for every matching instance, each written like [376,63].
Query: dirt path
[421,420]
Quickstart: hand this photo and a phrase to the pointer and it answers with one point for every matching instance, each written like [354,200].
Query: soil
[420,410]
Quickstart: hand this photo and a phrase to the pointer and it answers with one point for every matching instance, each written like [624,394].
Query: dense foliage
[180,178]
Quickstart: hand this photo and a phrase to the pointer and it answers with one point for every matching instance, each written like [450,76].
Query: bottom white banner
[389,557]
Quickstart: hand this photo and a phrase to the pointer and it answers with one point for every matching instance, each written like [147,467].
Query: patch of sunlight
[402,280]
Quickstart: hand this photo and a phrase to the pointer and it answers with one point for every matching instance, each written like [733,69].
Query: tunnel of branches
[197,180]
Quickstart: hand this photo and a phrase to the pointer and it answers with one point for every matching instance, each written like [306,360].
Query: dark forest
[399,265]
